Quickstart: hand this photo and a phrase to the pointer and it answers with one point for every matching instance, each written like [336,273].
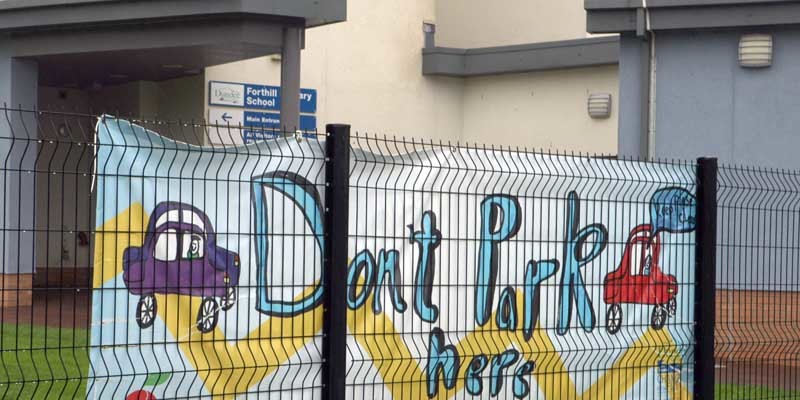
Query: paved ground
[72,308]
[775,376]
[66,307]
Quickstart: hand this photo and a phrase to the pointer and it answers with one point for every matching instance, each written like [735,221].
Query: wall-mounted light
[599,105]
[755,50]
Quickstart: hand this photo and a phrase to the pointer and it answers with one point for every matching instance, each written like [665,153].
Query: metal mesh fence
[155,260]
[758,325]
[134,265]
[498,272]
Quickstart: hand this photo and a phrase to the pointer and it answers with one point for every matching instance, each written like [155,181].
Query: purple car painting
[180,256]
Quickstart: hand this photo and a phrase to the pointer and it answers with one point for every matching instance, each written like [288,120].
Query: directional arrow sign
[223,117]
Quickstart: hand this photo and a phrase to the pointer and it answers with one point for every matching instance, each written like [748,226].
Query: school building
[524,74]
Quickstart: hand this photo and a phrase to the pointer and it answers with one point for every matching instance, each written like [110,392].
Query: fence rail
[155,260]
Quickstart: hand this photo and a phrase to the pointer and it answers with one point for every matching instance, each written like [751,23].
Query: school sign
[470,283]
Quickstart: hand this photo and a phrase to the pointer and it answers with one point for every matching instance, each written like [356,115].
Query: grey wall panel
[709,106]
[694,95]
[767,107]
[631,90]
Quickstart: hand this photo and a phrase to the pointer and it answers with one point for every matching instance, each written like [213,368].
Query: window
[190,217]
[166,248]
[648,262]
[642,258]
[192,246]
[169,216]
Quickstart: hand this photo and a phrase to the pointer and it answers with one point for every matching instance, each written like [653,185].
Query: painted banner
[526,275]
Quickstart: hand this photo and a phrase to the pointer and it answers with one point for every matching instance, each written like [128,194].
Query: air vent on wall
[755,50]
[599,105]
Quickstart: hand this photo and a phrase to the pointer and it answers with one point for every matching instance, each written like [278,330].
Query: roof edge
[24,15]
[617,16]
[464,63]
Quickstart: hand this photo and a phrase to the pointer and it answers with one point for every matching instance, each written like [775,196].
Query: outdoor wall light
[755,50]
[599,105]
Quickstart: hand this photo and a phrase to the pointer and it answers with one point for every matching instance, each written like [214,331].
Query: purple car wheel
[146,310]
[230,298]
[207,315]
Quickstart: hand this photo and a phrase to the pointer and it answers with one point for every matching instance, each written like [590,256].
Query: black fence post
[706,273]
[337,175]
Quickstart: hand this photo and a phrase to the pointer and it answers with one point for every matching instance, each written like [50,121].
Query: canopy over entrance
[94,43]
[79,43]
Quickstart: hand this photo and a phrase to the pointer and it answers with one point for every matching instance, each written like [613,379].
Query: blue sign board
[266,125]
[269,98]
[261,97]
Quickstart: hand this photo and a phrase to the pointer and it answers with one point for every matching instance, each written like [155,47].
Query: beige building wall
[542,110]
[368,73]
[480,23]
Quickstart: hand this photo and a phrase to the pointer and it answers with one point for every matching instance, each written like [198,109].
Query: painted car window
[190,217]
[192,246]
[648,262]
[166,248]
[644,263]
[169,216]
[638,259]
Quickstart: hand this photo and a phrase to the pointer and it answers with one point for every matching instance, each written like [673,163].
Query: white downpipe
[651,101]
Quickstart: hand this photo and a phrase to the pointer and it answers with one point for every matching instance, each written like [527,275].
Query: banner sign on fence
[526,275]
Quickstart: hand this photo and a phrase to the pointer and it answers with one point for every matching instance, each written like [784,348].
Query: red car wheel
[614,318]
[658,318]
[672,307]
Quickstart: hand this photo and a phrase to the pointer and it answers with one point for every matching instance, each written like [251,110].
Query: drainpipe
[643,30]
[429,30]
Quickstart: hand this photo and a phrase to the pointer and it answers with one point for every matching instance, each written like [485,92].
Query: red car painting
[180,256]
[639,280]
